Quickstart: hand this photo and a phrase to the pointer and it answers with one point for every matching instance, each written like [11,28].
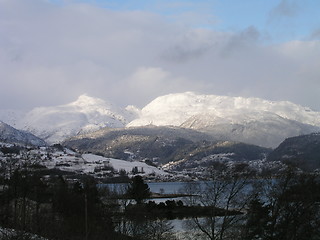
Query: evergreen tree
[257,218]
[138,190]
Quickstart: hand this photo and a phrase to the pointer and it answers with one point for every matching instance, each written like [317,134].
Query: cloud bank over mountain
[52,53]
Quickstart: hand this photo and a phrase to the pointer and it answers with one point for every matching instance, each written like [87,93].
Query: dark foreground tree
[290,210]
[138,189]
[80,210]
[257,220]
[54,209]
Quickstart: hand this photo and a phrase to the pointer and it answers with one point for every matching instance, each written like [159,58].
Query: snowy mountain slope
[54,124]
[11,117]
[267,129]
[9,134]
[251,120]
[175,109]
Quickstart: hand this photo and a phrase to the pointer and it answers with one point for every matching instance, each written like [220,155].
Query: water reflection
[187,227]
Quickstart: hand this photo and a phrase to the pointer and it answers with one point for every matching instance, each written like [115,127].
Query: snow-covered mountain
[11,117]
[250,120]
[9,134]
[54,124]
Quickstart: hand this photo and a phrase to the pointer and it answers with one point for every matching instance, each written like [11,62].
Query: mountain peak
[86,114]
[86,100]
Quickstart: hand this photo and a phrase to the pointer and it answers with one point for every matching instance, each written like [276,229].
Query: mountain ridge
[235,118]
[249,120]
[9,134]
[221,106]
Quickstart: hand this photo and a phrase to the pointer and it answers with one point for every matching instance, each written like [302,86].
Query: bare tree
[224,194]
[150,229]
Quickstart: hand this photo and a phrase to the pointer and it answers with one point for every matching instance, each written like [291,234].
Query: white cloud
[50,54]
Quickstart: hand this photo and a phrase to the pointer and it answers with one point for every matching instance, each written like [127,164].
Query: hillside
[183,148]
[158,144]
[9,134]
[301,151]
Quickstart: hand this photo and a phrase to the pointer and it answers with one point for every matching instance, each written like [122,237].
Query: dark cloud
[242,41]
[315,35]
[285,9]
[192,45]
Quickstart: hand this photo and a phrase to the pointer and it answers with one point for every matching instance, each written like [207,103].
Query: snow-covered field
[118,164]
[98,166]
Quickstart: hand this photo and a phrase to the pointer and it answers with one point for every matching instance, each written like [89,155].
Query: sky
[129,52]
